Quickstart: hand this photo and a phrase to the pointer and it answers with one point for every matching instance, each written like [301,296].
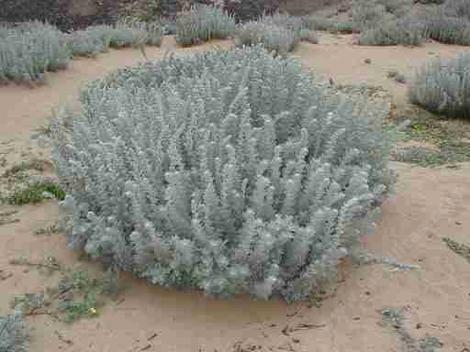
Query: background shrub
[13,335]
[317,22]
[393,32]
[30,49]
[308,35]
[135,33]
[397,7]
[202,23]
[227,171]
[278,32]
[87,42]
[247,10]
[445,28]
[274,38]
[369,14]
[458,8]
[443,87]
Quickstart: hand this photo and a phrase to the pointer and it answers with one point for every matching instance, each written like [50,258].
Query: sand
[428,205]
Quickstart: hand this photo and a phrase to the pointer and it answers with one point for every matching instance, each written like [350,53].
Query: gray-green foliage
[443,86]
[308,35]
[88,42]
[368,14]
[393,32]
[447,26]
[13,335]
[228,171]
[97,39]
[274,38]
[28,50]
[396,7]
[203,23]
[458,8]
[383,22]
[278,32]
[320,23]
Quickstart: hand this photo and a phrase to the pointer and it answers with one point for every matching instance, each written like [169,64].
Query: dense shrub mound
[28,50]
[202,23]
[228,171]
[443,86]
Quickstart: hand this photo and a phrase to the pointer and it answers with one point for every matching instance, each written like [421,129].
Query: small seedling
[397,76]
[77,295]
[48,230]
[458,248]
[5,217]
[49,264]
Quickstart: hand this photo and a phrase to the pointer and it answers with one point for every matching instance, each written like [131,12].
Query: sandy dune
[429,204]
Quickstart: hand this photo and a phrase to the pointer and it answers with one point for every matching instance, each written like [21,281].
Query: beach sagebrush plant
[308,35]
[87,42]
[274,38]
[393,32]
[447,25]
[228,171]
[97,39]
[135,33]
[443,87]
[278,32]
[13,334]
[28,50]
[203,23]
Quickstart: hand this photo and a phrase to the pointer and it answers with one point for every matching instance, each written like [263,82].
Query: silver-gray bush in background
[443,87]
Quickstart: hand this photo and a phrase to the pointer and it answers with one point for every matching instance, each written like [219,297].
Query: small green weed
[450,137]
[77,295]
[458,248]
[35,193]
[394,317]
[48,229]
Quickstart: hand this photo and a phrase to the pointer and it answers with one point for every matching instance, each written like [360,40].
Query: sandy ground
[428,204]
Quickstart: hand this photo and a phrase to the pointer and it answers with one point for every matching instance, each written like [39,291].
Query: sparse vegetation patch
[77,294]
[459,248]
